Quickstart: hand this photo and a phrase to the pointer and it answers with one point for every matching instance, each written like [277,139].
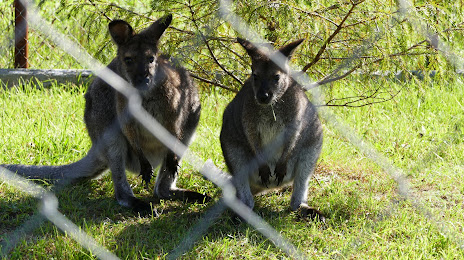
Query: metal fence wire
[45,32]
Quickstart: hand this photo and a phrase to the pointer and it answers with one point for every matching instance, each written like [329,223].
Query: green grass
[421,131]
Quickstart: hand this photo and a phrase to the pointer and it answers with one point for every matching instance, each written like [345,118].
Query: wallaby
[271,135]
[118,141]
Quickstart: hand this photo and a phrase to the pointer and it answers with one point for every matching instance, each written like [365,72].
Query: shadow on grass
[91,205]
[159,236]
[14,213]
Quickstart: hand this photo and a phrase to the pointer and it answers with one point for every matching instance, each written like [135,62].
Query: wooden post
[21,43]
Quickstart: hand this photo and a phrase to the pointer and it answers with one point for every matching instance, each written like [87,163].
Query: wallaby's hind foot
[165,183]
[307,212]
[181,195]
[142,207]
[128,200]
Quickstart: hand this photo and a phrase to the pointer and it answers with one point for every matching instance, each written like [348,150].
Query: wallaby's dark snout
[264,96]
[142,81]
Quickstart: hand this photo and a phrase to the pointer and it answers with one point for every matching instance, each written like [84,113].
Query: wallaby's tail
[89,166]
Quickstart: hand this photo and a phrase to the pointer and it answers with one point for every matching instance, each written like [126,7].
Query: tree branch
[362,98]
[213,83]
[310,13]
[337,30]
[102,13]
[329,78]
[210,50]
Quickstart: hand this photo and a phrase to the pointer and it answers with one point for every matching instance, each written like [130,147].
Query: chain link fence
[47,37]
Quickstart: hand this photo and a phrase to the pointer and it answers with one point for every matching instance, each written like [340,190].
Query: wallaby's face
[269,81]
[137,53]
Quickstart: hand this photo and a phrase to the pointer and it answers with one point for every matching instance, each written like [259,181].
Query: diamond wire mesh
[49,202]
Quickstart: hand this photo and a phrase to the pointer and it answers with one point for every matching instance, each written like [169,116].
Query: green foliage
[374,31]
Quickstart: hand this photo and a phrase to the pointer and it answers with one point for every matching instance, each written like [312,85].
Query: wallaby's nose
[141,80]
[264,97]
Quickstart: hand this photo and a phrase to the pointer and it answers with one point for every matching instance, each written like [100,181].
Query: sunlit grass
[420,132]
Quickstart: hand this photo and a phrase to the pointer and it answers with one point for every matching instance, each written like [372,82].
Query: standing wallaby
[118,141]
[271,134]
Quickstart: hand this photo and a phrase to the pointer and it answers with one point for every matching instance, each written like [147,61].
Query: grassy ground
[420,131]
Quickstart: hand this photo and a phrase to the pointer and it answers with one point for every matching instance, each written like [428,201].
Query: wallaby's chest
[160,107]
[269,131]
[265,135]
[272,139]
[264,127]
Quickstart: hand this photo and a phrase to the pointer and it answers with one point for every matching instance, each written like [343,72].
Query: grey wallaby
[118,141]
[271,134]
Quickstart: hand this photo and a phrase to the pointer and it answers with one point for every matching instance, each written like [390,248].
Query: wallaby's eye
[151,59]
[128,60]
[276,77]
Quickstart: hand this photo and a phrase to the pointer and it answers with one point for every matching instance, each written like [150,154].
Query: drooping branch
[213,83]
[377,57]
[102,13]
[217,61]
[316,14]
[350,104]
[213,56]
[209,37]
[330,38]
[357,99]
[332,78]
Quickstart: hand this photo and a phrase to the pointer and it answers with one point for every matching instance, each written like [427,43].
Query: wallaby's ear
[154,31]
[250,48]
[120,31]
[288,49]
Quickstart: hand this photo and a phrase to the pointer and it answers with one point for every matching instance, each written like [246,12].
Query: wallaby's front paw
[307,212]
[264,173]
[146,172]
[280,171]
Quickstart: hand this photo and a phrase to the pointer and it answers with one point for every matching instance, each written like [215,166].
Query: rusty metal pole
[21,43]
